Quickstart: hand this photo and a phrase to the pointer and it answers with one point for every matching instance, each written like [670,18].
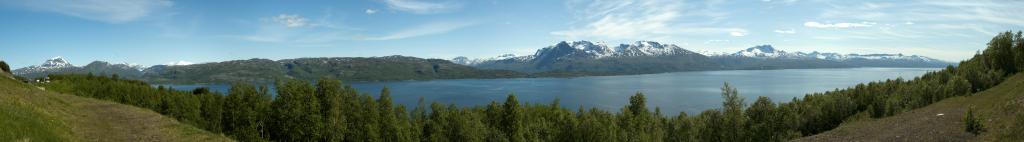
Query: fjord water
[691,92]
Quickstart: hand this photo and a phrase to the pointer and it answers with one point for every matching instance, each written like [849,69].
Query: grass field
[1001,108]
[31,114]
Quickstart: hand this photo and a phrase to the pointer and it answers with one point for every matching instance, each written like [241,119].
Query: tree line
[328,110]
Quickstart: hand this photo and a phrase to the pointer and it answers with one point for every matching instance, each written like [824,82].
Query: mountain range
[767,57]
[61,65]
[584,56]
[577,58]
[268,71]
[654,57]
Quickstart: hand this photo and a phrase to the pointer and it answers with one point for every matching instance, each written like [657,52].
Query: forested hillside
[330,111]
[344,68]
[385,68]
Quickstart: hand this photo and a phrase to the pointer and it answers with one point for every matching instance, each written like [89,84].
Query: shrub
[973,122]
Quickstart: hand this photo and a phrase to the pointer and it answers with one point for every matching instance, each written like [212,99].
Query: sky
[152,32]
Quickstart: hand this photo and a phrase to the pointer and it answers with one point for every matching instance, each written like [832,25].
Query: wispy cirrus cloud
[790,31]
[290,20]
[294,29]
[737,33]
[422,7]
[644,20]
[423,30]
[978,16]
[111,11]
[813,24]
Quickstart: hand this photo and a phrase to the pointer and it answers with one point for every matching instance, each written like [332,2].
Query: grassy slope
[1002,108]
[31,114]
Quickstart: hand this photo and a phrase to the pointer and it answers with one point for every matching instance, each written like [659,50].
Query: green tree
[512,121]
[1000,53]
[391,130]
[212,111]
[734,119]
[764,121]
[638,122]
[244,119]
[972,122]
[1018,47]
[331,95]
[295,117]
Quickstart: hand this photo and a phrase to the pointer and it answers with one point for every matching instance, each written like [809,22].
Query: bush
[972,122]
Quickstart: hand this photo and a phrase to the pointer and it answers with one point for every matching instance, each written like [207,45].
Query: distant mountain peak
[762,48]
[764,51]
[56,62]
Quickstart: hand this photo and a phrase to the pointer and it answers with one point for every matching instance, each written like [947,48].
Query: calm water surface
[691,92]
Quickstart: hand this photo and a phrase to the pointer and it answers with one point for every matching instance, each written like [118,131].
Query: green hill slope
[1001,108]
[32,114]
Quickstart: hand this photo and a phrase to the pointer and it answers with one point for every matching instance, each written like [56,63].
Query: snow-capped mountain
[53,64]
[59,65]
[108,66]
[649,56]
[585,50]
[767,52]
[710,53]
[467,61]
[593,56]
[602,50]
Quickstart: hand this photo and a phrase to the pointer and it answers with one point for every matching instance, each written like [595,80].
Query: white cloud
[790,31]
[421,7]
[930,11]
[737,33]
[295,30]
[423,30]
[371,11]
[813,24]
[290,21]
[643,20]
[112,11]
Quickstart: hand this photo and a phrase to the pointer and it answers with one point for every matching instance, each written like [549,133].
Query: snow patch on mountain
[179,63]
[56,62]
[588,50]
[61,65]
[769,52]
[53,64]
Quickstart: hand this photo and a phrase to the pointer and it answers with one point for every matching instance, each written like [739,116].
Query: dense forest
[328,110]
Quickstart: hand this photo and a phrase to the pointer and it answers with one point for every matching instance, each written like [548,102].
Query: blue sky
[151,32]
